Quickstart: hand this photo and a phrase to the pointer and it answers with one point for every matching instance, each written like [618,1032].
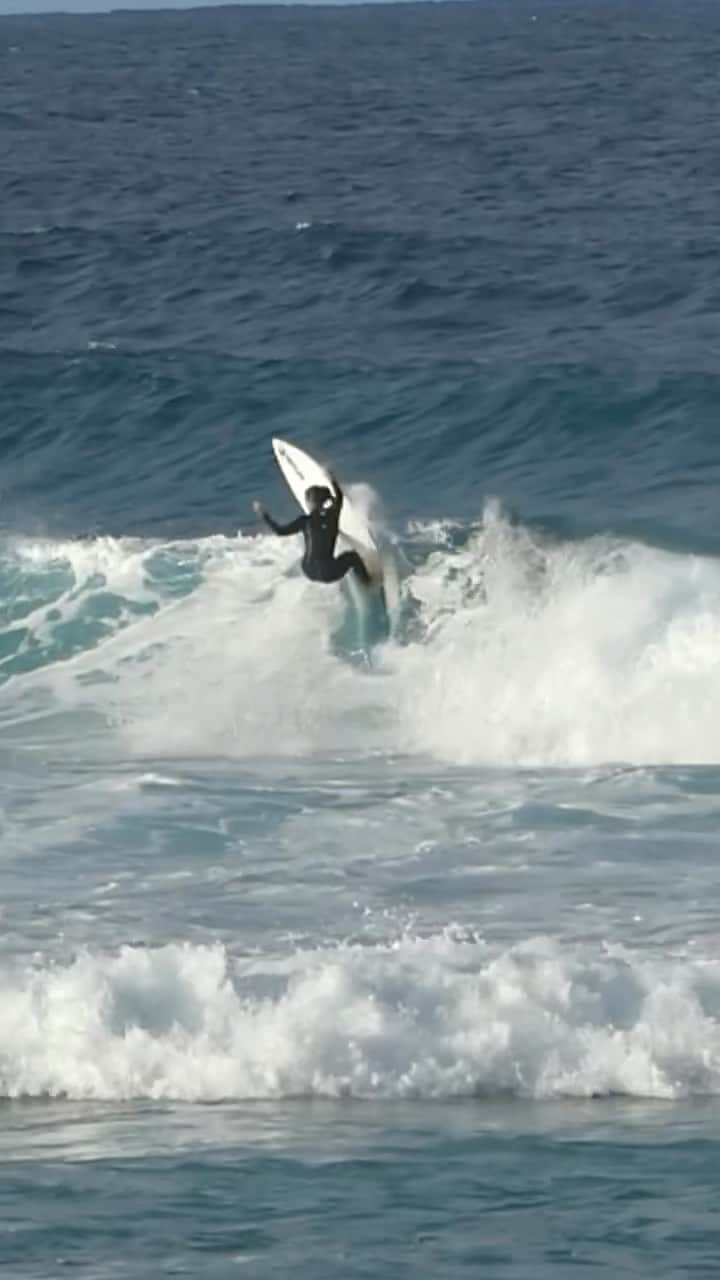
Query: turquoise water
[327,951]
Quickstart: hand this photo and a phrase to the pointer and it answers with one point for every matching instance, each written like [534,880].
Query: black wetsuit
[320,531]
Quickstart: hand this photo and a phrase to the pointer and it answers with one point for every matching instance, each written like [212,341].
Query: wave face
[512,649]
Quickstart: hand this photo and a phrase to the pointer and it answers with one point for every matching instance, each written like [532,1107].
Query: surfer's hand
[257,507]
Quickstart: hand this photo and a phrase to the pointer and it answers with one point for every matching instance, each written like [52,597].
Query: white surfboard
[301,471]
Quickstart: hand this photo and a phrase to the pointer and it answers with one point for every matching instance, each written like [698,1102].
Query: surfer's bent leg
[343,563]
[324,570]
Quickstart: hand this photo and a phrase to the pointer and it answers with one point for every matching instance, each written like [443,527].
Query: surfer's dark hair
[316,495]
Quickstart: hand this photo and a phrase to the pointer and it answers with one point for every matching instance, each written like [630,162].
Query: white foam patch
[243,667]
[424,1018]
[568,653]
[118,561]
[53,586]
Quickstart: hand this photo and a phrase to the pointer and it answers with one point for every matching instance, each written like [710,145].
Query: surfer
[320,530]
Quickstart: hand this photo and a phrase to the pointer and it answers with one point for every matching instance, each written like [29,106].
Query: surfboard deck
[301,471]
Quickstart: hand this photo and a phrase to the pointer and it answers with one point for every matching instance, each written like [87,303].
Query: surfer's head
[318,497]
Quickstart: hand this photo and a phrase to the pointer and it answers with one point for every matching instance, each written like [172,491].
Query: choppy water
[319,961]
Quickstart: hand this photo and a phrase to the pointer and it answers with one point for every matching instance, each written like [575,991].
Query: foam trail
[233,649]
[425,1018]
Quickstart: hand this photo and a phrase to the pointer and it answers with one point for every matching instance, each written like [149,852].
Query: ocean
[328,952]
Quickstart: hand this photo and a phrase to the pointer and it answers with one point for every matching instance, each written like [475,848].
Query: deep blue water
[326,953]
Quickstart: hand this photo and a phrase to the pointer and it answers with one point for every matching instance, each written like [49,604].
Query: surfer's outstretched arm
[282,530]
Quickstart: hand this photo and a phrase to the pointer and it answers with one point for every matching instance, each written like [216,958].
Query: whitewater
[513,648]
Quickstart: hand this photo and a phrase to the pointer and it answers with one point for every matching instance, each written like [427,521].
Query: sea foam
[435,1017]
